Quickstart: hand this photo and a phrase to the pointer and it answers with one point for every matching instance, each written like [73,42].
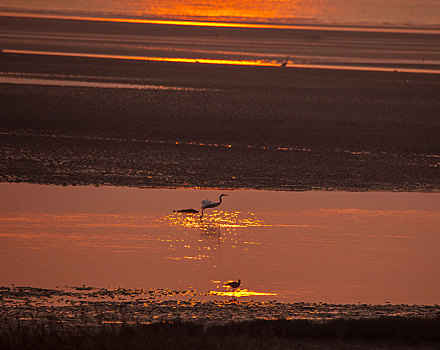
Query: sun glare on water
[192,238]
[219,219]
[240,293]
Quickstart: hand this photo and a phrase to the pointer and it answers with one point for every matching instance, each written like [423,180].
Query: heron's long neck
[220,200]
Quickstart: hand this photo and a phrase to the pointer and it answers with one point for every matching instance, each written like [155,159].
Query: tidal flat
[92,306]
[88,318]
[218,126]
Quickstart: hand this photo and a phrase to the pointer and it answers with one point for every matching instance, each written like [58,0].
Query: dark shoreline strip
[257,334]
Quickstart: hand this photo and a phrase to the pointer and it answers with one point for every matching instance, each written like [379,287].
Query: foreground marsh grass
[381,333]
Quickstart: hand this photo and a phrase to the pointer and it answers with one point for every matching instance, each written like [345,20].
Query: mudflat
[162,124]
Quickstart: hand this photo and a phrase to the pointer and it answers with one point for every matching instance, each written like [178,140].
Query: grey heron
[208,204]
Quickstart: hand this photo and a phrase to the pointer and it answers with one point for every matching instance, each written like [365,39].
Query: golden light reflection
[214,219]
[221,10]
[255,63]
[214,23]
[217,228]
[389,237]
[77,220]
[261,63]
[198,257]
[240,293]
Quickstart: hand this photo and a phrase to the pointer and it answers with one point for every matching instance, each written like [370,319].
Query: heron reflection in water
[210,229]
[206,204]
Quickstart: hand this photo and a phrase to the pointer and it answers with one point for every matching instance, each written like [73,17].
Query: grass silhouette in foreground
[383,333]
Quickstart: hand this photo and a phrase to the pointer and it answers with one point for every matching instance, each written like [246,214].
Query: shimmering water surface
[391,12]
[290,246]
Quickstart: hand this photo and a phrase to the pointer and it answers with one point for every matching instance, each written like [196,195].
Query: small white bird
[208,204]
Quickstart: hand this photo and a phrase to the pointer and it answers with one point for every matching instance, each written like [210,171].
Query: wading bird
[208,204]
[285,62]
[234,285]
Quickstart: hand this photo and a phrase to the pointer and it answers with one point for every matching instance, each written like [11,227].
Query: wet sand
[90,318]
[91,306]
[225,127]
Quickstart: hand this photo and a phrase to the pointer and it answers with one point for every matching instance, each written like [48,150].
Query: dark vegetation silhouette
[257,334]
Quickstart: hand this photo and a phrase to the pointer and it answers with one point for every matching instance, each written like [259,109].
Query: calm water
[376,12]
[308,246]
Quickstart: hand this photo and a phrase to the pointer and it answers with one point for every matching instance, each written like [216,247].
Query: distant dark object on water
[83,288]
[188,211]
[285,62]
[234,284]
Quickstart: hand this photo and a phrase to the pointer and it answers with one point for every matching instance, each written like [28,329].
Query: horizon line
[200,23]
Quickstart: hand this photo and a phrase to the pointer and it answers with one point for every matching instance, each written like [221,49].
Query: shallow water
[335,247]
[392,12]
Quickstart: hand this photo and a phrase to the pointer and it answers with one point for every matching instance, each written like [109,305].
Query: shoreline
[52,319]
[163,304]
[165,187]
[363,67]
[227,126]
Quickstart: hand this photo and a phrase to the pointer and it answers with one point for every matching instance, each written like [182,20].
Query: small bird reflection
[241,293]
[210,229]
[216,221]
[210,236]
